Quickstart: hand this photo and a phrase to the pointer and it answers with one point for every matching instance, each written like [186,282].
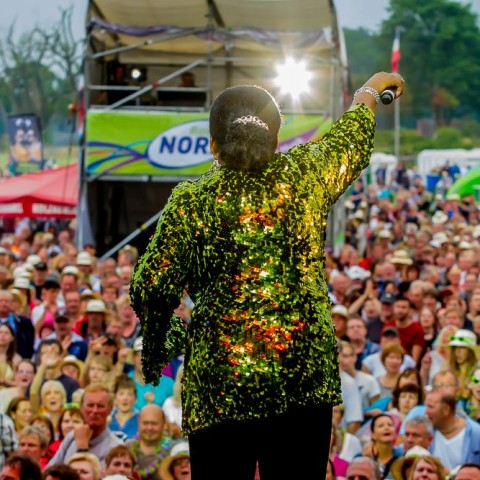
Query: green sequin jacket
[249,249]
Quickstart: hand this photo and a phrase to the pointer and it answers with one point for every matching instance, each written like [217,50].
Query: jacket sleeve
[341,155]
[157,285]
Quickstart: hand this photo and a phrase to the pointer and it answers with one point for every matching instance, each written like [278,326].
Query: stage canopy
[46,194]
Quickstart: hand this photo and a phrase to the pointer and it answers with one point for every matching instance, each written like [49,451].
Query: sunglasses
[71,405]
[475,380]
[181,461]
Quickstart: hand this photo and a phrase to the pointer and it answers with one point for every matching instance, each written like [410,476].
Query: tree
[39,70]
[440,48]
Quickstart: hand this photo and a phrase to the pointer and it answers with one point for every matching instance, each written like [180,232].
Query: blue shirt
[161,392]
[130,427]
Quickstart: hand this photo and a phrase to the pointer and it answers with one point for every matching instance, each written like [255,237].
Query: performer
[246,240]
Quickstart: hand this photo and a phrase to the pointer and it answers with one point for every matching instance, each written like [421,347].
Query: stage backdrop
[26,150]
[169,144]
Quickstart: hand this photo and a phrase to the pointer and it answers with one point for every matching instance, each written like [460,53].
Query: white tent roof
[249,26]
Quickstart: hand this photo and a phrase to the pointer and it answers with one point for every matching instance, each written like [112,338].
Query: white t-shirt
[352,400]
[368,386]
[449,451]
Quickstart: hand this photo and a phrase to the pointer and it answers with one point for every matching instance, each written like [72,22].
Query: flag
[396,52]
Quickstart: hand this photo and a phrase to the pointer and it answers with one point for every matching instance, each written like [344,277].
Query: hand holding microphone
[380,88]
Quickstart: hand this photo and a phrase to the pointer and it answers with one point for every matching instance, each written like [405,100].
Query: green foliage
[449,137]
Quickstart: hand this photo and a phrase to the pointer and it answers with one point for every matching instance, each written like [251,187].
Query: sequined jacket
[249,249]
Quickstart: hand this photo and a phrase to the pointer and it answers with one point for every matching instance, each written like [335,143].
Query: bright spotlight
[293,77]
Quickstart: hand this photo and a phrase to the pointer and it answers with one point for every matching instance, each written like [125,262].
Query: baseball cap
[95,306]
[388,298]
[51,281]
[340,310]
[70,270]
[84,258]
[390,332]
[42,266]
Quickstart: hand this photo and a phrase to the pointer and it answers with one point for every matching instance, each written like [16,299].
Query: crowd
[405,292]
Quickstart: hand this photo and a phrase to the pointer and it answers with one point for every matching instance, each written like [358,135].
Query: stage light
[293,77]
[138,74]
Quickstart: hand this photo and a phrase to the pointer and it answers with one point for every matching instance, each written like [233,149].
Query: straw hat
[179,451]
[407,461]
[439,218]
[401,257]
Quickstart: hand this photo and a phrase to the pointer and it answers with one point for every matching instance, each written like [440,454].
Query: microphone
[388,96]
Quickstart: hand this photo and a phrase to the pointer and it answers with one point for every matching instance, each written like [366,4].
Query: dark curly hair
[244,124]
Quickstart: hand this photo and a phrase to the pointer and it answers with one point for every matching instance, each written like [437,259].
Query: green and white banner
[166,143]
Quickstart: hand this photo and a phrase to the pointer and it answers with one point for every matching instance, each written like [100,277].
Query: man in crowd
[32,442]
[468,471]
[363,468]
[456,438]
[418,432]
[153,445]
[95,436]
[357,334]
[20,467]
[71,341]
[375,327]
[410,331]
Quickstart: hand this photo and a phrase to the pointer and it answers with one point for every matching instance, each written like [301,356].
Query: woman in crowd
[70,419]
[46,425]
[392,358]
[427,467]
[52,399]
[87,465]
[404,399]
[97,370]
[9,358]
[428,321]
[472,406]
[336,445]
[24,373]
[381,448]
[463,358]
[20,411]
[177,465]
[120,461]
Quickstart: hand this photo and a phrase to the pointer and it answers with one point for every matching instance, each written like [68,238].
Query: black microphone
[388,96]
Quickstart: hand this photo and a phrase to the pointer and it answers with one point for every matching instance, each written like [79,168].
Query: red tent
[50,193]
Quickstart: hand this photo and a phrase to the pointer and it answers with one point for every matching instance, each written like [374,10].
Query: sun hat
[463,338]
[401,257]
[33,260]
[406,461]
[357,273]
[178,451]
[84,258]
[439,218]
[95,306]
[70,270]
[72,360]
[384,233]
[340,310]
[21,283]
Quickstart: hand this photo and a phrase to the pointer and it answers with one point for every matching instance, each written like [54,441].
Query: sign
[169,144]
[26,150]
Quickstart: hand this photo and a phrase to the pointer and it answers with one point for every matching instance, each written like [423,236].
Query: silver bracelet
[369,90]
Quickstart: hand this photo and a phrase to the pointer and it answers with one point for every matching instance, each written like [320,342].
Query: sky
[27,13]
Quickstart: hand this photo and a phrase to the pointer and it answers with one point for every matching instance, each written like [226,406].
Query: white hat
[95,306]
[70,270]
[464,245]
[20,282]
[349,204]
[33,260]
[340,310]
[401,257]
[116,476]
[19,271]
[439,218]
[384,233]
[138,344]
[476,231]
[181,448]
[84,258]
[374,210]
[359,215]
[441,237]
[435,244]
[463,338]
[3,251]
[357,273]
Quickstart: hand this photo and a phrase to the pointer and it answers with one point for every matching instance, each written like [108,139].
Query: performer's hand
[382,81]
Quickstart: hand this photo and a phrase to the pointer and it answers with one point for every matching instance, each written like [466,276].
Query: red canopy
[50,193]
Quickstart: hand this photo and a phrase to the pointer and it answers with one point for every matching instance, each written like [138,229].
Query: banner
[169,144]
[26,149]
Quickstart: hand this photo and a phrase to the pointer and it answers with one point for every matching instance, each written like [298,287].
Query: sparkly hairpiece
[251,119]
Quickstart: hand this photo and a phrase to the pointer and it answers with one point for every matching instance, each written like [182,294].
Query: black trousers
[288,446]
